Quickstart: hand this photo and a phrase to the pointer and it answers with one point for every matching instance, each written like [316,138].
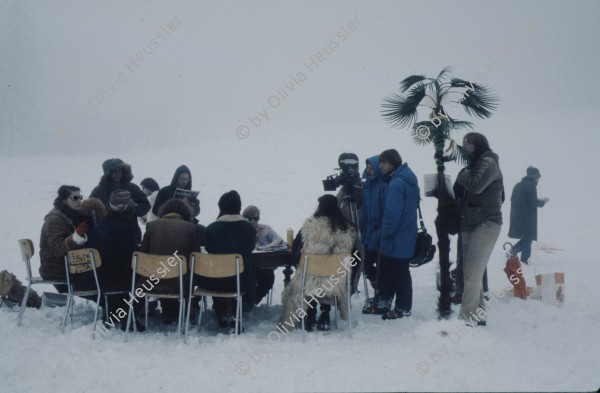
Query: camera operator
[349,199]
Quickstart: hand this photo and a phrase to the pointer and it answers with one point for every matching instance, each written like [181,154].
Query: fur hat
[533,172]
[230,203]
[110,164]
[93,207]
[120,201]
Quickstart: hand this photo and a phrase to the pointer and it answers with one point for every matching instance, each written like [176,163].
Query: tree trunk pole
[441,225]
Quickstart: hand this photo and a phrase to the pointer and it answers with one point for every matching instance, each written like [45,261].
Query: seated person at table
[173,232]
[231,234]
[64,229]
[265,237]
[116,238]
[327,231]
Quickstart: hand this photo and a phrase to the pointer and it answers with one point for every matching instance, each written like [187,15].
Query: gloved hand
[82,228]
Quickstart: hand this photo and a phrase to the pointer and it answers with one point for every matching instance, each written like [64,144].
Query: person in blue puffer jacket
[398,234]
[369,218]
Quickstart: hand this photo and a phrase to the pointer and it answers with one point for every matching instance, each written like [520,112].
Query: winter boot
[310,320]
[324,322]
[396,314]
[378,307]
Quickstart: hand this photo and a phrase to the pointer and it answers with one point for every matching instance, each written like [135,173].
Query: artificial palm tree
[432,97]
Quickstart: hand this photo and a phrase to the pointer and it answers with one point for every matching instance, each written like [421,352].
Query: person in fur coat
[325,232]
[64,229]
[117,176]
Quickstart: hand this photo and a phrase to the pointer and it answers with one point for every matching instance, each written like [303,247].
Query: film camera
[348,163]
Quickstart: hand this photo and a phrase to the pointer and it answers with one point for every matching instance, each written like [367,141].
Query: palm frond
[411,80]
[479,102]
[443,73]
[457,82]
[402,110]
[458,124]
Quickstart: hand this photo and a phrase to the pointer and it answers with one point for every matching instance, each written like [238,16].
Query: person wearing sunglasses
[65,228]
[265,237]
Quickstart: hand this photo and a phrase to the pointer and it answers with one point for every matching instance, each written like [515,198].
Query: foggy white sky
[67,79]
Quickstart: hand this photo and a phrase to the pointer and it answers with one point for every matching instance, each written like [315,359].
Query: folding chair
[156,267]
[215,266]
[326,265]
[79,262]
[27,251]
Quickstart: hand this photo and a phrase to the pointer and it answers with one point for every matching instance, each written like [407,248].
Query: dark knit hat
[533,172]
[120,201]
[230,203]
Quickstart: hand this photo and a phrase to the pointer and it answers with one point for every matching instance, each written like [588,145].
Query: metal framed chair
[326,265]
[215,266]
[155,267]
[27,251]
[78,262]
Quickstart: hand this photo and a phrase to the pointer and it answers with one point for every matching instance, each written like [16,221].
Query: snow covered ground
[216,72]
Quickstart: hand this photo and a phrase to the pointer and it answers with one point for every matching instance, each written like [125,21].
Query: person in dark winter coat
[116,238]
[118,176]
[64,229]
[173,232]
[370,217]
[523,213]
[481,221]
[182,178]
[327,231]
[231,234]
[398,235]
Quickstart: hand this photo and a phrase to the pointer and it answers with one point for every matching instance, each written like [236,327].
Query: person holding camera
[398,235]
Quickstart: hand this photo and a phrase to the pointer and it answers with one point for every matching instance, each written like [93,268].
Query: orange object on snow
[514,272]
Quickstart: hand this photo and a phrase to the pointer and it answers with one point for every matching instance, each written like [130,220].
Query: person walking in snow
[523,213]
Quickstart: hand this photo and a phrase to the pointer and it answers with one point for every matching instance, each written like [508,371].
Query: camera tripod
[349,210]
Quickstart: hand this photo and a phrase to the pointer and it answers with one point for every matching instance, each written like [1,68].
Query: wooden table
[273,260]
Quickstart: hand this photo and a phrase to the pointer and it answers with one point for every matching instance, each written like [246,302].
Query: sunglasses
[253,219]
[76,197]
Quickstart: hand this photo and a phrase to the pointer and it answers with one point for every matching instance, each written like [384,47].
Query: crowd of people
[384,234]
